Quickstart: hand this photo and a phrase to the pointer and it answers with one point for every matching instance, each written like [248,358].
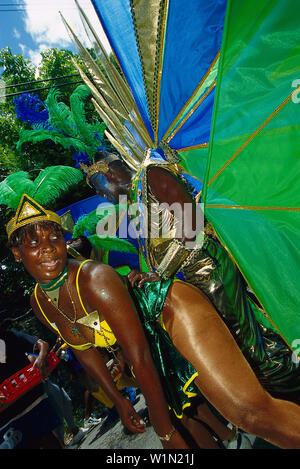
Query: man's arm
[168,189]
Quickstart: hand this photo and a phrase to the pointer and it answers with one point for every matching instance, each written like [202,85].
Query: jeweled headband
[100,166]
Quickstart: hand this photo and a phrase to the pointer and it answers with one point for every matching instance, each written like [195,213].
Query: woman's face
[44,254]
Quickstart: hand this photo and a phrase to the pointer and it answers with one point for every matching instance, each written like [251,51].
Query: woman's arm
[107,294]
[93,363]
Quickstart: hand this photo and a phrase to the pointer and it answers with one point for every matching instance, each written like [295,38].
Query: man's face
[43,254]
[105,187]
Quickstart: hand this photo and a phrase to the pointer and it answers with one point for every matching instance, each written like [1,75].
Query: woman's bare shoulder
[94,272]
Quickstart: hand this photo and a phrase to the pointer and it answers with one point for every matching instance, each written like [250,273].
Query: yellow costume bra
[102,339]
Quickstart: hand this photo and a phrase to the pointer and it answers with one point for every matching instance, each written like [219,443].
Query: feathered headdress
[46,188]
[64,125]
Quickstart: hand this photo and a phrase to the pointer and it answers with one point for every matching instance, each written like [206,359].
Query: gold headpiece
[30,211]
[102,166]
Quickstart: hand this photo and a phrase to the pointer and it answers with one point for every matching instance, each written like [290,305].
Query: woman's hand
[129,417]
[142,277]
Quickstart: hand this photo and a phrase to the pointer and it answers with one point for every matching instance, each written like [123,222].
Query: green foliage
[32,157]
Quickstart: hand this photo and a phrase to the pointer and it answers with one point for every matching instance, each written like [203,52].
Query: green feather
[59,113]
[49,185]
[13,187]
[85,223]
[90,221]
[77,103]
[54,181]
[111,244]
[38,135]
[72,129]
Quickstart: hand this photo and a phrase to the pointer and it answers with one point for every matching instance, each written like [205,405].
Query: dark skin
[166,187]
[201,336]
[44,257]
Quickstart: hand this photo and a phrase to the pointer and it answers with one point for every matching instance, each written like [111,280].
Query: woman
[87,303]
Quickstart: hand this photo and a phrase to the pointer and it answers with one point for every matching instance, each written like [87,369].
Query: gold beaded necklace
[72,321]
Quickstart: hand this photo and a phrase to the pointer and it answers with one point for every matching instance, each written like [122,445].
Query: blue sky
[37,25]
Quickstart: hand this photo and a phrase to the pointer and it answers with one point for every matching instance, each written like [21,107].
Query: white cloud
[16,33]
[35,55]
[23,48]
[44,24]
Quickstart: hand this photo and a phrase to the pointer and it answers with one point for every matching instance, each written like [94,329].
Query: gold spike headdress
[28,212]
[28,196]
[100,166]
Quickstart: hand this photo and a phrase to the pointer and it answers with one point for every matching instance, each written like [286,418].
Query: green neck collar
[56,282]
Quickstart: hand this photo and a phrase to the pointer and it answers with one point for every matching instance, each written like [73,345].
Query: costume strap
[41,309]
[77,284]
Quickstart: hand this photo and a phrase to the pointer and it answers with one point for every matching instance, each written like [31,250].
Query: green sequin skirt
[176,373]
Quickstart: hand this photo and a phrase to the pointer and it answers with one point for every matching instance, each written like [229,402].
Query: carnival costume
[175,372]
[212,270]
[158,105]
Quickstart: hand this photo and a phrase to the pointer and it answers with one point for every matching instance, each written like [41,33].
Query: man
[173,251]
[32,417]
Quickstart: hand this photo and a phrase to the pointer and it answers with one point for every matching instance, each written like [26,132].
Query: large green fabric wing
[251,191]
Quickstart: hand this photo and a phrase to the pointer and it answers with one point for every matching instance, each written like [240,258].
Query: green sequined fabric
[175,372]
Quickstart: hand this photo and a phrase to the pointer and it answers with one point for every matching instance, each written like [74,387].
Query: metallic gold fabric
[28,212]
[175,255]
[147,18]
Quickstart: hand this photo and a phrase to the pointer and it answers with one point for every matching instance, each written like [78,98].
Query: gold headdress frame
[29,211]
[101,166]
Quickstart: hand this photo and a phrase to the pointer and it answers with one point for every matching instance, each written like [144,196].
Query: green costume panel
[175,372]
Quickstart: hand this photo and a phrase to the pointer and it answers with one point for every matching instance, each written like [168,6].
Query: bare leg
[88,404]
[200,434]
[205,414]
[224,376]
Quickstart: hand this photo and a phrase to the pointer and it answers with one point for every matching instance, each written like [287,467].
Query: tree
[32,157]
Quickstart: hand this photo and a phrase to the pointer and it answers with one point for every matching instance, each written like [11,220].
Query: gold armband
[176,254]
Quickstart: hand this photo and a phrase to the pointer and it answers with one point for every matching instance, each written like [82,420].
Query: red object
[25,379]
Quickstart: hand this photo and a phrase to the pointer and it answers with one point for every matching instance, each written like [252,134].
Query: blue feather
[30,108]
[80,157]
